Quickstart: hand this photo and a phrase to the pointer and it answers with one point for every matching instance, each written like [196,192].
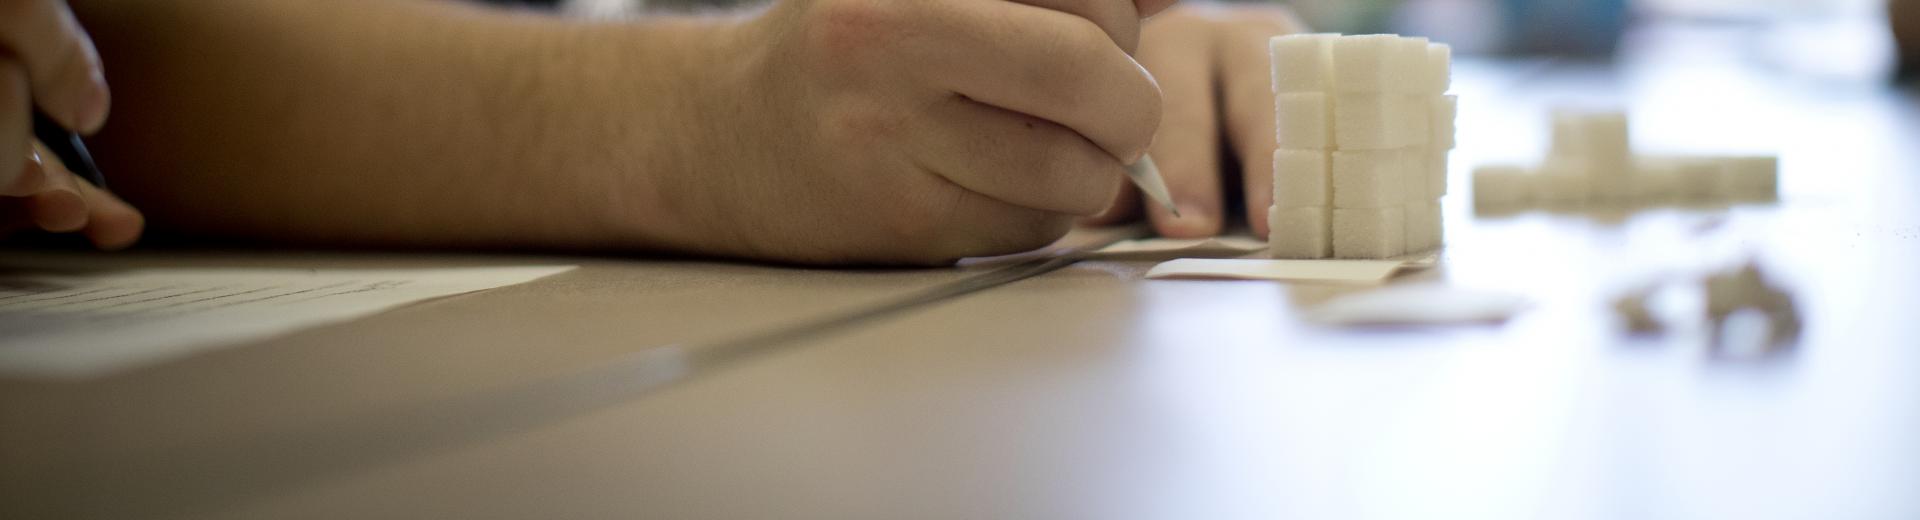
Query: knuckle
[850,27]
[857,125]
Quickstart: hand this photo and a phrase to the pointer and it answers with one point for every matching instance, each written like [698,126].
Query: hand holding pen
[51,86]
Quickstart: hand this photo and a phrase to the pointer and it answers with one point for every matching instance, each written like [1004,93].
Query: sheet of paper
[1230,246]
[1419,305]
[77,325]
[1334,271]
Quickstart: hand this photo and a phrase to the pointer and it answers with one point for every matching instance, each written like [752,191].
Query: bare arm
[816,131]
[399,122]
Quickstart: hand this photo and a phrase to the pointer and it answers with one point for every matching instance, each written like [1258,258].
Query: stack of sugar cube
[1364,126]
[1591,163]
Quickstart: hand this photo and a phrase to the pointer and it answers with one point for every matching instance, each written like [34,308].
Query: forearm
[402,122]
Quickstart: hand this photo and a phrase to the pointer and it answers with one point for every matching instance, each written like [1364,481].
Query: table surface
[1089,392]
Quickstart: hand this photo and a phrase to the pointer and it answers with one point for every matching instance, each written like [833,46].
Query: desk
[1091,393]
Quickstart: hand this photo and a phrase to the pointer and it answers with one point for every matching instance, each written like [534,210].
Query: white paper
[1339,271]
[1428,304]
[75,325]
[1228,245]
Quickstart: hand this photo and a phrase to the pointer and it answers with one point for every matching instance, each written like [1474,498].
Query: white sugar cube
[1439,68]
[1369,232]
[1418,127]
[1435,172]
[1562,184]
[1371,121]
[1364,63]
[1301,178]
[1408,66]
[1749,179]
[1442,110]
[1598,135]
[1423,226]
[1369,179]
[1299,233]
[1698,179]
[1502,188]
[1655,181]
[1414,185]
[1302,62]
[1303,120]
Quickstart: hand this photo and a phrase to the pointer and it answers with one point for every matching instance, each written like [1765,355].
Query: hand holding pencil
[52,84]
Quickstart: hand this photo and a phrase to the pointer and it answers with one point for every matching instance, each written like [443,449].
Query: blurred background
[1847,40]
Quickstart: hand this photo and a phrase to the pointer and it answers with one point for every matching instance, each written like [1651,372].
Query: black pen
[67,146]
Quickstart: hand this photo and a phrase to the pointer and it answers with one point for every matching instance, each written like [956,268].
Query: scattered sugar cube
[1370,121]
[1562,184]
[1655,182]
[1442,112]
[1369,232]
[1301,178]
[1364,63]
[1299,233]
[1597,135]
[1754,178]
[1302,62]
[1369,179]
[1423,226]
[1439,68]
[1698,180]
[1303,120]
[1502,188]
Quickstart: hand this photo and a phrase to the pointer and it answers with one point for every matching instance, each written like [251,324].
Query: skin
[1212,63]
[47,62]
[812,131]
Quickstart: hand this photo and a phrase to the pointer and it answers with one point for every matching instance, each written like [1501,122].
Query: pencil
[67,146]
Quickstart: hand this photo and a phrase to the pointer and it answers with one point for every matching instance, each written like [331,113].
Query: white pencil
[1147,176]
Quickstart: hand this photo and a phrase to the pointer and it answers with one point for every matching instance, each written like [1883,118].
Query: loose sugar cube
[1608,136]
[1408,66]
[1698,180]
[1502,188]
[1749,179]
[1423,226]
[1439,69]
[1562,184]
[1369,232]
[1299,233]
[1655,181]
[1594,136]
[1369,179]
[1303,120]
[1442,112]
[1302,62]
[1364,63]
[1370,121]
[1301,178]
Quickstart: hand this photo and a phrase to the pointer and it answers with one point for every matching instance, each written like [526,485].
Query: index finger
[62,66]
[1120,19]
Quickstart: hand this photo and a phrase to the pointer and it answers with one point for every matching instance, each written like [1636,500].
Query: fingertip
[1195,221]
[58,210]
[94,107]
[117,231]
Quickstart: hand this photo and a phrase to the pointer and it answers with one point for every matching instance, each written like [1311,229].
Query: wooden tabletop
[1087,391]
